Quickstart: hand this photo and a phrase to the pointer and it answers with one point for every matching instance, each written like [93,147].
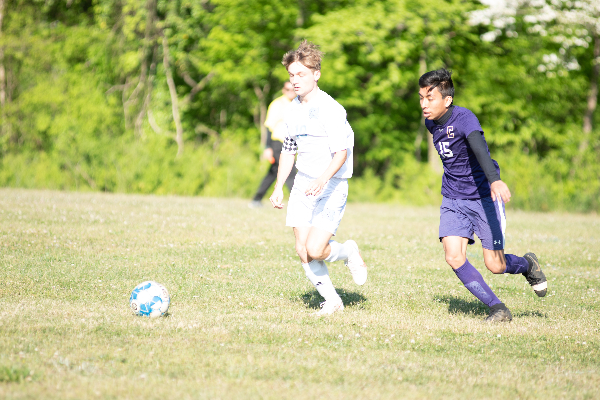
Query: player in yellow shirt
[275,135]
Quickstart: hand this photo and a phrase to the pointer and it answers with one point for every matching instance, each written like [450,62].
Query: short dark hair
[441,79]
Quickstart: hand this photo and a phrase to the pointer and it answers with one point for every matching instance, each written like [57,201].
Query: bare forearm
[286,163]
[336,163]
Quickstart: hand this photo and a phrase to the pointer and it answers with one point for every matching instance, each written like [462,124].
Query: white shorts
[324,211]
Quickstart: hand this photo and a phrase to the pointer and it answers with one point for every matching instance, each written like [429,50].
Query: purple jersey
[463,176]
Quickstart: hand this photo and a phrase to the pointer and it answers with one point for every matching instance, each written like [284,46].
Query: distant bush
[410,183]
[230,168]
[552,183]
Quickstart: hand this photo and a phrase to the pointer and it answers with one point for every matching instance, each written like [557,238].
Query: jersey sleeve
[337,129]
[289,145]
[470,123]
[429,125]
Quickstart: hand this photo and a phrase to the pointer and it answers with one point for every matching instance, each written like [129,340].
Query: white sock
[317,273]
[338,251]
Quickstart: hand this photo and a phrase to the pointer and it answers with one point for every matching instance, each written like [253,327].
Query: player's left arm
[315,187]
[498,188]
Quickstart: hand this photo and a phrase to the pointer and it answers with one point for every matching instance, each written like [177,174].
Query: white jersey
[316,131]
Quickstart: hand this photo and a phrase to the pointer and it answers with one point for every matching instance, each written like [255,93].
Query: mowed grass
[241,321]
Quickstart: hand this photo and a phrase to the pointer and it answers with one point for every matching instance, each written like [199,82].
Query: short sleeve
[336,128]
[470,123]
[429,125]
[289,146]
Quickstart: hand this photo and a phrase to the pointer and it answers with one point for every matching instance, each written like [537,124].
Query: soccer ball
[149,299]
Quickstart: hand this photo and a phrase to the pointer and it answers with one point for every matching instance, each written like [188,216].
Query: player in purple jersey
[473,196]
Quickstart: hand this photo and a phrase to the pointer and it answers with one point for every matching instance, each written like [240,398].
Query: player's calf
[494,260]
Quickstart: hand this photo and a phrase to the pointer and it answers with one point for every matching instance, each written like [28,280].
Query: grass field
[241,321]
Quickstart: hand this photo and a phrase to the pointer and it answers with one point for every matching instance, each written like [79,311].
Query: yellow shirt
[275,114]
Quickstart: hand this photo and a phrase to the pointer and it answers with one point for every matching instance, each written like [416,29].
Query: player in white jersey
[318,131]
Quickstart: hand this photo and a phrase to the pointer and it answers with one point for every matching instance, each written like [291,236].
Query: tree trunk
[262,110]
[196,86]
[433,159]
[174,102]
[2,75]
[301,14]
[139,94]
[418,141]
[149,86]
[592,103]
[592,100]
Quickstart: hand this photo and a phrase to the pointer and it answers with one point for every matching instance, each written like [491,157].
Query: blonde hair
[307,54]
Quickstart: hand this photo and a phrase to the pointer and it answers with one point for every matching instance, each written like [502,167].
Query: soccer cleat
[499,313]
[535,276]
[329,307]
[355,264]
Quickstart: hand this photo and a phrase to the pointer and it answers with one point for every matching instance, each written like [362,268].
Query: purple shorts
[484,217]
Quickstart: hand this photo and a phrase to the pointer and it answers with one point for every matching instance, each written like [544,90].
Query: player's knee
[301,250]
[455,260]
[495,267]
[314,251]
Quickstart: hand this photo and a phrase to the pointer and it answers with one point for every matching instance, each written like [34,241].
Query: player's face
[288,91]
[433,104]
[303,79]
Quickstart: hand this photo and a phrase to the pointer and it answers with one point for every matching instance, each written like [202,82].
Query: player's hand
[268,154]
[315,187]
[277,198]
[500,190]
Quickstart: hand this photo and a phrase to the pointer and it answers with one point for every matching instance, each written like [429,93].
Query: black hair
[441,79]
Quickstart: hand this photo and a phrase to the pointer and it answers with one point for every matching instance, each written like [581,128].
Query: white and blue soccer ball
[149,299]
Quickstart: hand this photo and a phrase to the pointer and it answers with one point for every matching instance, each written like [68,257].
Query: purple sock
[473,281]
[515,264]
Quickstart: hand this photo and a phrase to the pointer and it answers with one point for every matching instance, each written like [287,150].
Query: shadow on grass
[536,314]
[312,299]
[457,305]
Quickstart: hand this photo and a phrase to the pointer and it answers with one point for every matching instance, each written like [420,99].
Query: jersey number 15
[444,150]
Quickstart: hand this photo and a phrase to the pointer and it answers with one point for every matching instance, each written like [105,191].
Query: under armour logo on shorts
[497,241]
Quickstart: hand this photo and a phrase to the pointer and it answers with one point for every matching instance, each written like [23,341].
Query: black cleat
[535,276]
[499,313]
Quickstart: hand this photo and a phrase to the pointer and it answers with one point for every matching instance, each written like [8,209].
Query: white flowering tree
[573,25]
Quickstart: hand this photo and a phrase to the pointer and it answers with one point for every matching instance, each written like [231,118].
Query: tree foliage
[169,96]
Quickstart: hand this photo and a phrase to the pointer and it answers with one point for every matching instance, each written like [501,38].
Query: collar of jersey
[309,104]
[445,117]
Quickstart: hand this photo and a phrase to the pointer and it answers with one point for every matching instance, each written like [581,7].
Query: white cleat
[356,264]
[329,307]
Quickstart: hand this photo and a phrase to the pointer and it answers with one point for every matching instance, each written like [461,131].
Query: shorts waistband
[306,176]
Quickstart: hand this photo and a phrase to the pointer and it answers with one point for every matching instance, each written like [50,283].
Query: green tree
[372,67]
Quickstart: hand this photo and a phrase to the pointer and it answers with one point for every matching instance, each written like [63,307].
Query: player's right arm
[286,163]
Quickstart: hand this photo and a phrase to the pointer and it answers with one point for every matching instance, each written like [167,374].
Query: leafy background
[168,97]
